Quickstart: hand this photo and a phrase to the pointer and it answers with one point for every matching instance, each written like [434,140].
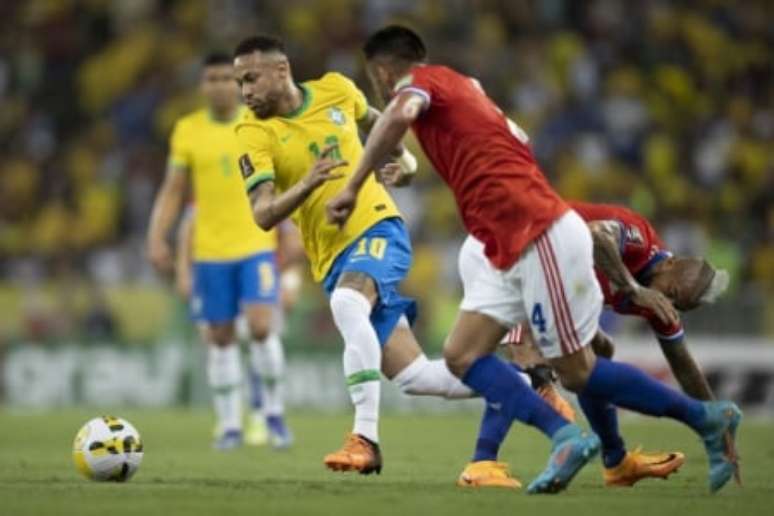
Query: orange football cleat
[358,454]
[551,395]
[487,473]
[638,465]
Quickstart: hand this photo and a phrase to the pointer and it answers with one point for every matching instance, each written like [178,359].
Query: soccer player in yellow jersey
[296,144]
[234,261]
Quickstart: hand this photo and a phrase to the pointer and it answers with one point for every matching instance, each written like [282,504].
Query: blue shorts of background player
[383,252]
[221,288]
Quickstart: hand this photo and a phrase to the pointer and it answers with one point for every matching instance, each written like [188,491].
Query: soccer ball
[107,448]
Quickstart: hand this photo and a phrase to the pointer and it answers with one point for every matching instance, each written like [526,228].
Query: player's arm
[402,168]
[291,261]
[270,208]
[166,209]
[183,255]
[386,134]
[684,367]
[607,237]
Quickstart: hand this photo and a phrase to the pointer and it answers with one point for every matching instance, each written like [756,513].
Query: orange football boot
[551,395]
[487,473]
[638,465]
[358,454]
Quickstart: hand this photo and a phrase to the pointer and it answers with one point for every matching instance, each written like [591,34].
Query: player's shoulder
[191,121]
[332,83]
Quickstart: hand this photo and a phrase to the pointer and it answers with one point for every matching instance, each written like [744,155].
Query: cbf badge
[337,116]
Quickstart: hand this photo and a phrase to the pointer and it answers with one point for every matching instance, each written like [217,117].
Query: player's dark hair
[261,43]
[395,41]
[216,58]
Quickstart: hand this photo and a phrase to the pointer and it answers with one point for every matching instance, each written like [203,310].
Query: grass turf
[423,455]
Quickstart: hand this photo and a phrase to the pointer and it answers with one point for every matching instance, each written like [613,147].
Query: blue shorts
[220,288]
[383,252]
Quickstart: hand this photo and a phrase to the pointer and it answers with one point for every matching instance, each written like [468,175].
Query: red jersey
[503,197]
[641,248]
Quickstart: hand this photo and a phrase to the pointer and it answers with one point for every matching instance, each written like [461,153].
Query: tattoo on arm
[686,370]
[607,256]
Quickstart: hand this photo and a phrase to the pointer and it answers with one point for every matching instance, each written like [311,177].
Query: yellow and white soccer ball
[107,448]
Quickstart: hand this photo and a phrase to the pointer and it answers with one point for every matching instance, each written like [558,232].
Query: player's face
[262,79]
[668,280]
[218,86]
[381,79]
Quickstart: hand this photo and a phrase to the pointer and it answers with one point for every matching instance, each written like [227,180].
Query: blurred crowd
[664,106]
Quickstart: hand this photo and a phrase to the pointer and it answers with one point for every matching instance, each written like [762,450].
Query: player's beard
[266,108]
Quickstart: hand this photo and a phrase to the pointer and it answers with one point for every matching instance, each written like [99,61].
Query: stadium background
[667,107]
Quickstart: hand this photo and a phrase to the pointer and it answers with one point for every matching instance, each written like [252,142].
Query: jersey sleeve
[180,153]
[419,83]
[663,331]
[256,160]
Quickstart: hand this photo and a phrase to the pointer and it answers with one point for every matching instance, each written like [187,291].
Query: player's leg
[566,320]
[215,304]
[259,294]
[493,302]
[406,365]
[255,433]
[366,308]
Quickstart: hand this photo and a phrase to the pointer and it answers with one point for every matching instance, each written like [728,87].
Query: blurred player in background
[235,265]
[296,148]
[529,256]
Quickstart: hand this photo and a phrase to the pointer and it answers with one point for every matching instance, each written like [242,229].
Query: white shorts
[552,286]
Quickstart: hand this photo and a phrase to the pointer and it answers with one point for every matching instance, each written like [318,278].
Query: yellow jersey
[284,149]
[208,150]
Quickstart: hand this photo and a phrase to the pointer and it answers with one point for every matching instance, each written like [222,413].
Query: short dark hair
[216,58]
[395,41]
[261,43]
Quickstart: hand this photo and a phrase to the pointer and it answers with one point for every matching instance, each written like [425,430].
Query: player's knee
[260,329]
[346,303]
[458,360]
[602,346]
[220,335]
[574,370]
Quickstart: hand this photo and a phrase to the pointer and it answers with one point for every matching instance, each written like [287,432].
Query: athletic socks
[362,358]
[628,387]
[603,418]
[507,392]
[267,358]
[424,377]
[224,374]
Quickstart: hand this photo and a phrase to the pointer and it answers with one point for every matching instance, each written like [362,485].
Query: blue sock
[492,431]
[256,390]
[603,418]
[506,392]
[628,387]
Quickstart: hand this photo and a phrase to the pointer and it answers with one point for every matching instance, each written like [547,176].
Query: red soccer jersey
[641,248]
[503,197]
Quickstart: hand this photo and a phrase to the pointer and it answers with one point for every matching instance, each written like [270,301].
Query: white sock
[267,358]
[224,373]
[424,377]
[362,358]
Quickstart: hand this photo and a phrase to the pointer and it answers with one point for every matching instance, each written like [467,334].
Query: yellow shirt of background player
[283,149]
[208,150]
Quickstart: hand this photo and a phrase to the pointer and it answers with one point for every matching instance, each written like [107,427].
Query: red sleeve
[419,81]
[663,331]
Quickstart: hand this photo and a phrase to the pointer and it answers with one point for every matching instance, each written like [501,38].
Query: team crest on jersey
[337,116]
[246,166]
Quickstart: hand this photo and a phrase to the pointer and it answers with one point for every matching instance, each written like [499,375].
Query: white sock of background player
[224,374]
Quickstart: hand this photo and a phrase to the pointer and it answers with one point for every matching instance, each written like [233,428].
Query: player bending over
[297,148]
[629,258]
[530,258]
[234,262]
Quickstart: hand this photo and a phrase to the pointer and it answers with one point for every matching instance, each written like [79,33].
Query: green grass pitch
[423,455]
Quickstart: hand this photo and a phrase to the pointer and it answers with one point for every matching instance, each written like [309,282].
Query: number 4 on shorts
[537,319]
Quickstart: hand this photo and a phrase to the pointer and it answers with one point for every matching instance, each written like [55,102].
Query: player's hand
[323,168]
[341,207]
[160,255]
[657,302]
[392,174]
